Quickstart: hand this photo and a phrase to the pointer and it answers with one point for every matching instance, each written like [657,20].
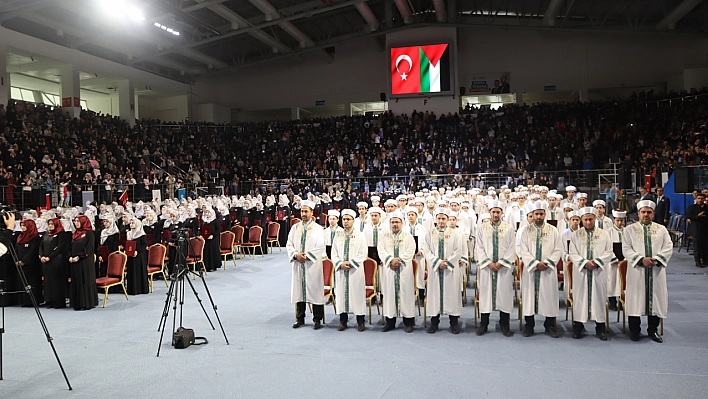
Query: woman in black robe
[27,248]
[53,253]
[192,222]
[137,276]
[283,219]
[150,226]
[258,219]
[109,238]
[212,253]
[83,294]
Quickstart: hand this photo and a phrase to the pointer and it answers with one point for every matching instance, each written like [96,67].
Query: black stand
[175,294]
[27,290]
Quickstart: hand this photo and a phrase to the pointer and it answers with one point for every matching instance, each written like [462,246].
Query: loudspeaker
[463,90]
[382,96]
[211,187]
[683,180]
[591,178]
[615,157]
[624,179]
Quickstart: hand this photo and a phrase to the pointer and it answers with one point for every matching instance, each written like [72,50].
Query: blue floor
[111,352]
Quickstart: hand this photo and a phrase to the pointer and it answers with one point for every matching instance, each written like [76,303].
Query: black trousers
[344,318]
[531,322]
[503,319]
[699,250]
[317,312]
[599,327]
[435,320]
[635,324]
[407,321]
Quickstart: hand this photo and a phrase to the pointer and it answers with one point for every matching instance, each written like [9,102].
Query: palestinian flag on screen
[420,69]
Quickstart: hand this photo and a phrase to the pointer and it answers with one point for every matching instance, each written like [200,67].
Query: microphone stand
[27,288]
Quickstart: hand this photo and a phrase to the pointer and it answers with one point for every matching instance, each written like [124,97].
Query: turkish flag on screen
[405,70]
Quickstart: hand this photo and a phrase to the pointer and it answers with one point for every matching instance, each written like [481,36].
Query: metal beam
[669,21]
[405,11]
[440,13]
[26,8]
[252,28]
[368,15]
[549,17]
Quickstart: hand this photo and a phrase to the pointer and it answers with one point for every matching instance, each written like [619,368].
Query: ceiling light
[122,9]
[165,28]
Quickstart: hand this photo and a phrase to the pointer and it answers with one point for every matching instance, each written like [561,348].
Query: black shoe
[455,328]
[317,325]
[634,337]
[432,329]
[342,327]
[482,329]
[527,332]
[361,328]
[577,334]
[698,264]
[409,329]
[656,337]
[602,336]
[506,331]
[298,324]
[388,327]
[552,332]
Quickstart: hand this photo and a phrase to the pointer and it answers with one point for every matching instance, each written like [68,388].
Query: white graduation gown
[307,277]
[590,286]
[350,289]
[428,220]
[544,244]
[643,283]
[614,284]
[419,231]
[360,224]
[443,292]
[605,223]
[514,214]
[399,286]
[330,233]
[496,289]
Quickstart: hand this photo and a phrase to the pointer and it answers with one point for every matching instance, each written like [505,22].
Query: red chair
[150,239]
[370,267]
[115,274]
[238,239]
[294,221]
[195,254]
[254,240]
[622,270]
[415,274]
[519,299]
[273,234]
[156,262]
[226,246]
[328,271]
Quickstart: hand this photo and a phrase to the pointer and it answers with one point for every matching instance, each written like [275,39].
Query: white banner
[157,196]
[488,83]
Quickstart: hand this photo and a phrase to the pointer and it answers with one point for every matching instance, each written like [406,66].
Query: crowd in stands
[42,149]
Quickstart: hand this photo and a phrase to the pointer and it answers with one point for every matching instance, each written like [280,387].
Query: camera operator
[7,271]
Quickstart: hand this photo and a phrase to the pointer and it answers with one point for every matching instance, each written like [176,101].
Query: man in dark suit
[643,195]
[662,213]
[698,215]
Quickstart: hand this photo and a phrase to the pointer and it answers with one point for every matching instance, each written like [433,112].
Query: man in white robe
[590,254]
[443,249]
[305,250]
[496,255]
[648,249]
[541,249]
[418,232]
[397,249]
[601,221]
[331,231]
[363,219]
[614,285]
[348,256]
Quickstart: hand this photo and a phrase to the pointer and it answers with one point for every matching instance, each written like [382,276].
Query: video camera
[6,210]
[180,235]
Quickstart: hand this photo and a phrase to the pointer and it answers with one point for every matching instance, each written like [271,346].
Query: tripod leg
[166,309]
[200,300]
[218,319]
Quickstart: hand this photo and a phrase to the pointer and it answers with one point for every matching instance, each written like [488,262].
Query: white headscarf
[208,215]
[112,229]
[137,232]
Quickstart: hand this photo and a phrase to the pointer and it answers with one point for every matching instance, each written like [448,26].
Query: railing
[594,182]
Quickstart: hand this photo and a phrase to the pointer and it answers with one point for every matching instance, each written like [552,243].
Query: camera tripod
[28,290]
[175,293]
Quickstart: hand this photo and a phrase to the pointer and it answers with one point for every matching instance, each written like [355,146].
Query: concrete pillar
[38,99]
[584,95]
[126,101]
[70,90]
[294,113]
[137,107]
[4,77]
